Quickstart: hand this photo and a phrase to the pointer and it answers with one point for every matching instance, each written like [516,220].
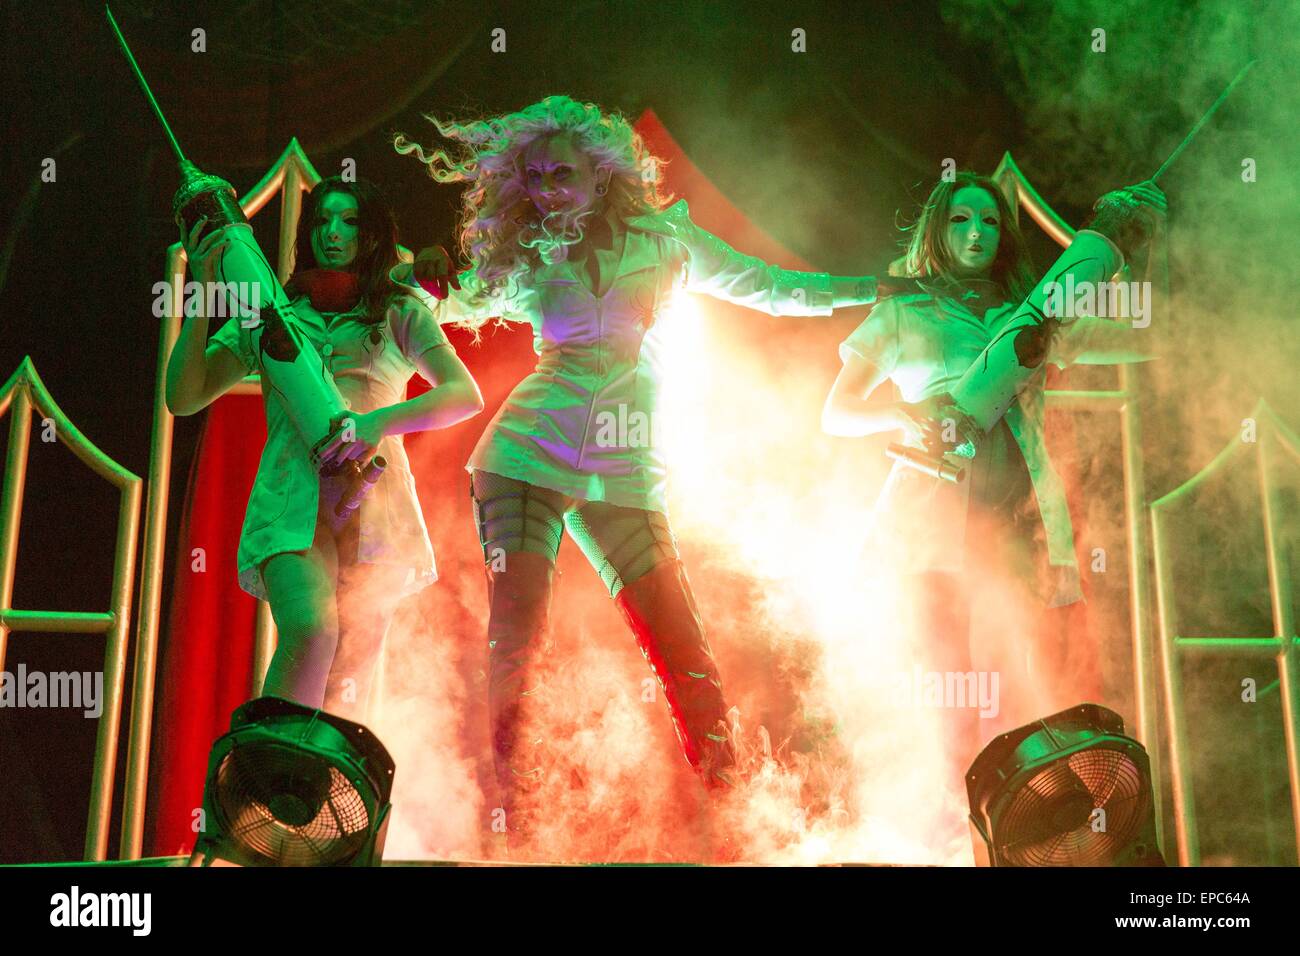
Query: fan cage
[1110,775]
[338,830]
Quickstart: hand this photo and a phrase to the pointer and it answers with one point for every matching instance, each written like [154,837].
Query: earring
[602,189]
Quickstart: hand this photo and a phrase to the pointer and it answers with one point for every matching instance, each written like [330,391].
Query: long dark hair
[376,242]
[928,255]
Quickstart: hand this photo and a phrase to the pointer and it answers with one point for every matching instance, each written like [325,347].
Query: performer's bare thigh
[300,583]
[300,588]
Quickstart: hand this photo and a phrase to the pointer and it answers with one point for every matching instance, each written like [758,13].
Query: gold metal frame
[1271,432]
[24,392]
[1147,548]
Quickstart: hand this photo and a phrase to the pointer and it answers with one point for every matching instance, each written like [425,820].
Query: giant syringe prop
[1214,108]
[289,364]
[984,393]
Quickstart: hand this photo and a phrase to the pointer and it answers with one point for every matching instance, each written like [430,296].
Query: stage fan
[293,786]
[1068,790]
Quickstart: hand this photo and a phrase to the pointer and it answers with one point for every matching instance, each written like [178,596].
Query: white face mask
[973,230]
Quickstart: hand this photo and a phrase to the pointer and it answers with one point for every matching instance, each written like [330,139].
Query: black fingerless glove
[896,285]
[1123,219]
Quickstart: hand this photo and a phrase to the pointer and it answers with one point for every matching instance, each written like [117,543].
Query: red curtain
[208,641]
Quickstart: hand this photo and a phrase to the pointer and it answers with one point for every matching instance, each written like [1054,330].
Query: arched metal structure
[1271,436]
[23,394]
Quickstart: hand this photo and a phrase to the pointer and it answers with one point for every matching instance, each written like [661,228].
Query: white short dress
[371,365]
[924,344]
[600,357]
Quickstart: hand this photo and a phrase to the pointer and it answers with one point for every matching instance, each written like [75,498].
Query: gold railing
[22,393]
[1270,434]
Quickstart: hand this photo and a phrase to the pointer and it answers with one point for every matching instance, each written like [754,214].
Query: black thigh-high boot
[660,609]
[520,599]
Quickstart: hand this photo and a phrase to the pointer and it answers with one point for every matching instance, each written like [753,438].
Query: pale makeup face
[973,229]
[559,177]
[334,236]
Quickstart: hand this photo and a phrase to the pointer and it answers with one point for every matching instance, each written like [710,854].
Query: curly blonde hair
[501,231]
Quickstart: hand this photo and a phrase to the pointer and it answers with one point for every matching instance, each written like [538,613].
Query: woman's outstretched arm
[1128,218]
[714,268]
[456,299]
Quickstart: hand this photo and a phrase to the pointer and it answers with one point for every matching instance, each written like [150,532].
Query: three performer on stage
[566,228]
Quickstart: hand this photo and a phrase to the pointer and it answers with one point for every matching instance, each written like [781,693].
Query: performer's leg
[1051,662]
[1013,620]
[942,635]
[635,554]
[368,595]
[300,587]
[520,526]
